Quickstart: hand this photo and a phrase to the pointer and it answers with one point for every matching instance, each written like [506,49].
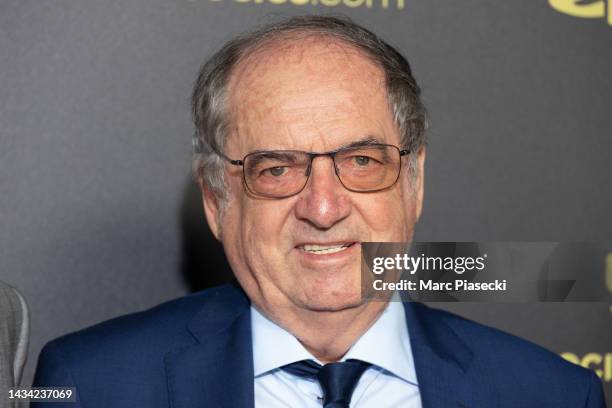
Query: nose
[324,201]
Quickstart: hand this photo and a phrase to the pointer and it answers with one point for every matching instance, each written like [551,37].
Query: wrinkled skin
[314,94]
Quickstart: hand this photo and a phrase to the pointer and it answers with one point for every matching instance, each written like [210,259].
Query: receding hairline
[299,40]
[299,43]
[301,34]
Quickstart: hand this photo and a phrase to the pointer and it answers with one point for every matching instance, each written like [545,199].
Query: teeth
[321,249]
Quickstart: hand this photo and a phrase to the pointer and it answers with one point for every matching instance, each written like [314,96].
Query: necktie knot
[337,380]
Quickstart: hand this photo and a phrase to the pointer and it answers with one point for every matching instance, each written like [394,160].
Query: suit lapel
[441,359]
[218,370]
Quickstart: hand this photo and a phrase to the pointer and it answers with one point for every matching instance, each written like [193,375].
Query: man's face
[312,95]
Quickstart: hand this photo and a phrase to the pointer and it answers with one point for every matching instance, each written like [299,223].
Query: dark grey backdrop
[99,216]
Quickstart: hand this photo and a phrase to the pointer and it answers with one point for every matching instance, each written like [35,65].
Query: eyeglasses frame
[312,155]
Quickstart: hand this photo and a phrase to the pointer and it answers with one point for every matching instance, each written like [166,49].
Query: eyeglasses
[283,173]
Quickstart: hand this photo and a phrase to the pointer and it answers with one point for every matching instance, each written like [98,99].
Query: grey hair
[209,99]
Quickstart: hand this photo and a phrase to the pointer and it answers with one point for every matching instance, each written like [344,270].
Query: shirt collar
[385,344]
[273,346]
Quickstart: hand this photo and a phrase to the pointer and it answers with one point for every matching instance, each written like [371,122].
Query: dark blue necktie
[338,380]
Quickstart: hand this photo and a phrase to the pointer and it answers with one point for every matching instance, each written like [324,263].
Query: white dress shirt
[390,382]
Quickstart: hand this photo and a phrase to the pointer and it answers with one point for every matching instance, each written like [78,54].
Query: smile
[324,249]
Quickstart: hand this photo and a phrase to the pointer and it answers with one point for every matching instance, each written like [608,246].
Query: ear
[211,208]
[420,180]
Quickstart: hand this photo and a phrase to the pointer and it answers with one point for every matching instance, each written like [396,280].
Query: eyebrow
[259,156]
[366,141]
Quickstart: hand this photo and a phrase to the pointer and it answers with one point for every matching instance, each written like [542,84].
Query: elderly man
[14,333]
[309,142]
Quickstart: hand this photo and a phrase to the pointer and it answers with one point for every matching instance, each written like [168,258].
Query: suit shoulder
[151,330]
[513,353]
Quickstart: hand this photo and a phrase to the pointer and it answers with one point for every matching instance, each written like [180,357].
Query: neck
[329,335]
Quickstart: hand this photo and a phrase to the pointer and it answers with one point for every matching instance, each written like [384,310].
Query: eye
[276,171]
[362,160]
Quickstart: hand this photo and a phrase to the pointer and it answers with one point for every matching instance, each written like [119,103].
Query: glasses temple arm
[235,162]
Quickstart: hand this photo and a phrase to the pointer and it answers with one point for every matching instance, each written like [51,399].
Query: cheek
[255,243]
[251,223]
[390,216]
[263,227]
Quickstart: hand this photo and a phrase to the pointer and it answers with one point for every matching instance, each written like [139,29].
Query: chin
[333,300]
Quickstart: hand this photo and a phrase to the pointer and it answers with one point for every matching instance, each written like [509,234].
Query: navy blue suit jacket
[196,352]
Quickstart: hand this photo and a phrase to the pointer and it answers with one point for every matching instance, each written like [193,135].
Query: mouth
[325,249]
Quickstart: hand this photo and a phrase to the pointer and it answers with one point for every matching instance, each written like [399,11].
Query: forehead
[307,92]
